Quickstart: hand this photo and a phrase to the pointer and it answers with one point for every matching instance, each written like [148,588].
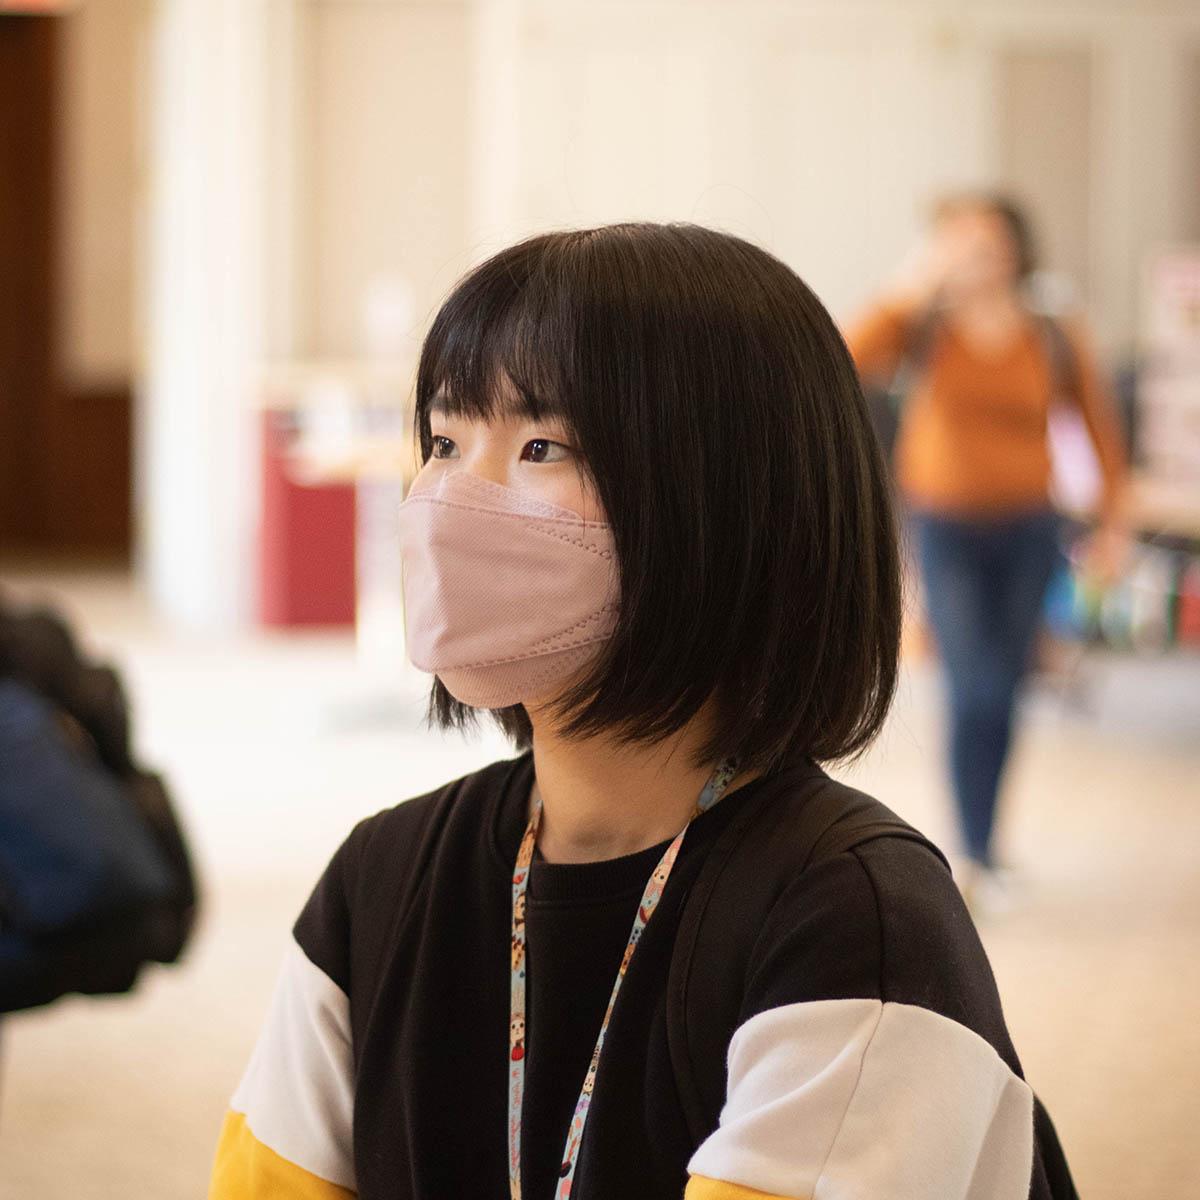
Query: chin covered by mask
[506,596]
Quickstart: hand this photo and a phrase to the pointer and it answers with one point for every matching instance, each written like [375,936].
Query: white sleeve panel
[855,1099]
[298,1090]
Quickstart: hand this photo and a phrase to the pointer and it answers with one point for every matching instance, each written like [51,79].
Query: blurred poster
[1173,302]
[1169,392]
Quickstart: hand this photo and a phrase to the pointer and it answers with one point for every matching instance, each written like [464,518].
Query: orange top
[973,434]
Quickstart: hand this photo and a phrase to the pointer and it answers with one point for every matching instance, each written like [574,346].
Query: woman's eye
[443,447]
[542,450]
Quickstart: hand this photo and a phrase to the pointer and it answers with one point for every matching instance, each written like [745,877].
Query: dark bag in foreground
[95,876]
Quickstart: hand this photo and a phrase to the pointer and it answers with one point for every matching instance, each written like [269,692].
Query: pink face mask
[506,595]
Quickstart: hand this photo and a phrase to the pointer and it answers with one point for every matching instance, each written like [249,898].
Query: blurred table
[1164,507]
[351,424]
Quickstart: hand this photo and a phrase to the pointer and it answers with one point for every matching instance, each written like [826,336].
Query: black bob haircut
[720,418]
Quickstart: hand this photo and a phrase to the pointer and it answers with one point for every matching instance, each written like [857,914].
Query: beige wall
[442,130]
[385,135]
[101,90]
[1189,165]
[822,129]
[426,132]
[1044,113]
[817,134]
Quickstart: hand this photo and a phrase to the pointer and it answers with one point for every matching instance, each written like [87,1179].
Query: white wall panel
[389,118]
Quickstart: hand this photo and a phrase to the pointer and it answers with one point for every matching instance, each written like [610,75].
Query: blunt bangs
[720,418]
[486,353]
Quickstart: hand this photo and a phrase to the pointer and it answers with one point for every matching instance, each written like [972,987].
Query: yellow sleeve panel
[701,1188]
[247,1170]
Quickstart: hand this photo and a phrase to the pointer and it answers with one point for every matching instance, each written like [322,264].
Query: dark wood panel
[65,450]
[28,54]
[87,470]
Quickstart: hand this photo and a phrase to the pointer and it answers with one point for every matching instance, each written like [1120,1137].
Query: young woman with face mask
[651,537]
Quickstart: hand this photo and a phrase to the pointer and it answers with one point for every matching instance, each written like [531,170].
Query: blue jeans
[985,586]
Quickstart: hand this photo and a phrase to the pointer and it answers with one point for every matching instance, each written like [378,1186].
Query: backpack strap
[1060,353]
[914,356]
[750,865]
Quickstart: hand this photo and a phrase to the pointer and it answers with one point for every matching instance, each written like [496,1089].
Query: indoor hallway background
[228,196]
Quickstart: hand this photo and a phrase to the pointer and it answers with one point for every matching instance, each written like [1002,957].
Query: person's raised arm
[880,335]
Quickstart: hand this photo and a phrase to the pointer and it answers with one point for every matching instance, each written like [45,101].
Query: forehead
[973,220]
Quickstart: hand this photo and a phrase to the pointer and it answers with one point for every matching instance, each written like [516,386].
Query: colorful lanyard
[714,789]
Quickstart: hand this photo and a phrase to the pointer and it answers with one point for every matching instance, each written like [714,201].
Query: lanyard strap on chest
[713,790]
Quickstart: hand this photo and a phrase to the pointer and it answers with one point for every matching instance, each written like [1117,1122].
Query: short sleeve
[871,1058]
[877,341]
[288,1134]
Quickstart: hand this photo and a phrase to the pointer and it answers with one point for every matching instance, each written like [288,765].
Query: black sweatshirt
[870,1059]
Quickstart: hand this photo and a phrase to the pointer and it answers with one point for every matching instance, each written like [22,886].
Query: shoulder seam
[883,997]
[297,944]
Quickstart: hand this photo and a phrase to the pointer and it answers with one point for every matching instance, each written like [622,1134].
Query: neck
[602,798]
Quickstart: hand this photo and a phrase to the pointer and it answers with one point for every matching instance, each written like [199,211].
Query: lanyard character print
[714,789]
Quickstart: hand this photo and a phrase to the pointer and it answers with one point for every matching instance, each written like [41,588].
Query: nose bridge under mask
[504,592]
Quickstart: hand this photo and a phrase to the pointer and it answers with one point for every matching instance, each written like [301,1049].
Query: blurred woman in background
[981,370]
